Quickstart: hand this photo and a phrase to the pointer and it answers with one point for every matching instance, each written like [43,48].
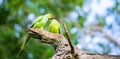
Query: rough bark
[62,47]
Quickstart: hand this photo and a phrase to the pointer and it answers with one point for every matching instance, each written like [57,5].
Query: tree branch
[68,37]
[62,47]
[106,34]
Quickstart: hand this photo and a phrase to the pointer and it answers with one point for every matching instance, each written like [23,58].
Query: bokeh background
[94,26]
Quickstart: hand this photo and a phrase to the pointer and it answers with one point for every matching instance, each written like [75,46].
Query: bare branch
[68,37]
[106,34]
[62,47]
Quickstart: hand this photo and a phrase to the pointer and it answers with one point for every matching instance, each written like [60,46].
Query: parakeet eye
[50,16]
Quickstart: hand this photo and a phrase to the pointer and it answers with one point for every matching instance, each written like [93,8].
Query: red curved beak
[52,17]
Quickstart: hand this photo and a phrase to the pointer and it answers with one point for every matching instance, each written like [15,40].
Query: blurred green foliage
[17,15]
[14,21]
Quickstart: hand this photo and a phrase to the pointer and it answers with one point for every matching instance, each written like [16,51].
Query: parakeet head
[50,16]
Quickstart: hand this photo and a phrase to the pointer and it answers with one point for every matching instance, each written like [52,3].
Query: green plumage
[54,27]
[38,19]
[39,22]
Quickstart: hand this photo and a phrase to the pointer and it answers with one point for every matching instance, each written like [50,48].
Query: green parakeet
[54,26]
[40,22]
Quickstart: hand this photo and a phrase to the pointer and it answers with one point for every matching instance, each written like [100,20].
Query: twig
[68,38]
[106,34]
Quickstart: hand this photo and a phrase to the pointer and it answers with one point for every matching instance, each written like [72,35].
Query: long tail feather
[23,45]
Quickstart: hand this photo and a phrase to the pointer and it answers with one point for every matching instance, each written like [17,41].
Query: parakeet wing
[38,19]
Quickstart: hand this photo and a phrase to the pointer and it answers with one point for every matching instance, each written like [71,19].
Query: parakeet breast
[55,27]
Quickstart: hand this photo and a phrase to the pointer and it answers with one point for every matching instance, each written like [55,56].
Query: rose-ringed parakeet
[54,26]
[40,22]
